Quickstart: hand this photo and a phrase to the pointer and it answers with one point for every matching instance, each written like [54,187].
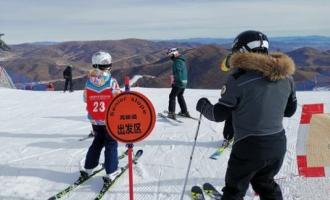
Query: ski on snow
[107,184]
[182,116]
[81,180]
[168,118]
[220,150]
[210,190]
[197,193]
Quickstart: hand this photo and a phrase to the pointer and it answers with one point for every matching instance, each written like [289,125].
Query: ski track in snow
[40,151]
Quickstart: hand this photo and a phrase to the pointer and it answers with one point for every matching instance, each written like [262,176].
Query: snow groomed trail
[40,149]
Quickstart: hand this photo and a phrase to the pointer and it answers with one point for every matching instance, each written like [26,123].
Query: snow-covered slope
[40,151]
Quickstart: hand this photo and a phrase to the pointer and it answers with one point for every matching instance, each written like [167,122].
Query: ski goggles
[103,67]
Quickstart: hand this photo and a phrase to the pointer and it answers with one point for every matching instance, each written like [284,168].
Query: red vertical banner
[308,110]
[306,115]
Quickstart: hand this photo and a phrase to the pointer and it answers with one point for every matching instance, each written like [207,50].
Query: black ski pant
[102,139]
[177,92]
[68,82]
[255,160]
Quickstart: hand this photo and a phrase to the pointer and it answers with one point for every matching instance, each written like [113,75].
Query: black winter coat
[67,73]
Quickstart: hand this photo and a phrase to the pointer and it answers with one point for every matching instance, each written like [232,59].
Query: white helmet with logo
[101,59]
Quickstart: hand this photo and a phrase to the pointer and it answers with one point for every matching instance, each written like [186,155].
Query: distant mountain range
[277,43]
[45,61]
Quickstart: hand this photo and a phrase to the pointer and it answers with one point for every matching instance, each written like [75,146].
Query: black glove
[202,103]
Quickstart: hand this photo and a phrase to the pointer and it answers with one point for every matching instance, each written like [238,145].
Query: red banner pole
[127,87]
[130,170]
[130,153]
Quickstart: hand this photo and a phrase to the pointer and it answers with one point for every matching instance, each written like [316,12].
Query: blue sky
[67,20]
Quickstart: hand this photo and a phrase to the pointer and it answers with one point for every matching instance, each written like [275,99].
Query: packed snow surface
[40,149]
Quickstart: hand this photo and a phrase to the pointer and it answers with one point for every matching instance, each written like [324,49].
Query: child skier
[100,88]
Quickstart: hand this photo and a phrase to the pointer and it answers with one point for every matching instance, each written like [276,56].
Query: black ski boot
[184,114]
[171,115]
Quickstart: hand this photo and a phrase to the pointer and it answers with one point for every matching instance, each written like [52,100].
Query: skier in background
[258,94]
[67,75]
[100,88]
[179,84]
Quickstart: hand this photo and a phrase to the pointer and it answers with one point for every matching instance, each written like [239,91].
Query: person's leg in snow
[102,139]
[66,85]
[182,103]
[255,160]
[110,154]
[94,151]
[172,101]
[264,184]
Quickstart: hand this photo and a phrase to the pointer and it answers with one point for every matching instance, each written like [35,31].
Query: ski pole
[191,156]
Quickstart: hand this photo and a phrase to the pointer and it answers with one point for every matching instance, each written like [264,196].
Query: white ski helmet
[173,52]
[101,59]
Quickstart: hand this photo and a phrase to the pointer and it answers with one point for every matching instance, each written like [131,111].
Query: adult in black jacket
[67,75]
[258,94]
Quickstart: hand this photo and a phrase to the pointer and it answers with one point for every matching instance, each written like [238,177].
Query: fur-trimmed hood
[274,66]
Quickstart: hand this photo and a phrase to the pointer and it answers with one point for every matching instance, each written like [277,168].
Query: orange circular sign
[130,117]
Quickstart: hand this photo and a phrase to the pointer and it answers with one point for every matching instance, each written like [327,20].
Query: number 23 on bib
[98,102]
